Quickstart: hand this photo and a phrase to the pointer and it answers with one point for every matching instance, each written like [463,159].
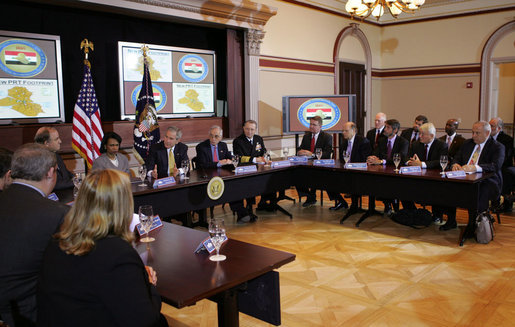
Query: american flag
[87,128]
[146,127]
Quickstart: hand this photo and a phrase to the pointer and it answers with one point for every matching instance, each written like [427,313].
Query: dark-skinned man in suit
[451,138]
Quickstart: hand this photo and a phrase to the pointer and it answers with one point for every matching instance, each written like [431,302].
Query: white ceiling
[431,8]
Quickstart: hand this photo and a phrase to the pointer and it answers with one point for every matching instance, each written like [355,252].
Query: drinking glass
[443,163]
[217,234]
[185,165]
[77,181]
[285,152]
[268,158]
[397,161]
[318,153]
[346,157]
[142,171]
[235,160]
[146,217]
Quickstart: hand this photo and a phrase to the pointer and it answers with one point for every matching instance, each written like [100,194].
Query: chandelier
[376,8]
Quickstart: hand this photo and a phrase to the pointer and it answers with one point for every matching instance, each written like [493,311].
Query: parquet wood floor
[380,274]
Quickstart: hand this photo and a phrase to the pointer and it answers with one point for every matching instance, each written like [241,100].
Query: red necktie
[215,155]
[377,137]
[312,148]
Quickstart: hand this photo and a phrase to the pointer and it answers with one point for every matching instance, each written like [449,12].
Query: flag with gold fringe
[87,131]
[146,127]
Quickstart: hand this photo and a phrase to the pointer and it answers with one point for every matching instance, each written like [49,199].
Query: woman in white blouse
[110,158]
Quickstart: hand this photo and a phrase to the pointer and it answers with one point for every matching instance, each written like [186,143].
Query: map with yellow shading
[191,100]
[154,73]
[19,100]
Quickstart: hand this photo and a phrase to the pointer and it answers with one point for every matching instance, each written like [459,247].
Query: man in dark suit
[27,228]
[412,134]
[376,133]
[479,154]
[359,149]
[453,140]
[426,153]
[166,156]
[5,168]
[213,153]
[251,149]
[49,137]
[497,134]
[383,155]
[311,141]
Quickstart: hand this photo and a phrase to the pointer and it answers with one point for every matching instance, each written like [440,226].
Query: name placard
[53,197]
[207,245]
[411,170]
[455,174]
[245,169]
[156,223]
[298,159]
[282,163]
[323,162]
[356,165]
[164,182]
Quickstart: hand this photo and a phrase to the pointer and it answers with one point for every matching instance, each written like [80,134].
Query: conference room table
[185,277]
[428,187]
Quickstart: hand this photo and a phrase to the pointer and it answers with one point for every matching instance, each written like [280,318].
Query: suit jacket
[205,157]
[507,141]
[456,144]
[371,137]
[360,149]
[437,149]
[159,156]
[324,141]
[106,287]
[64,176]
[490,160]
[399,146]
[246,150]
[406,134]
[25,230]
[103,162]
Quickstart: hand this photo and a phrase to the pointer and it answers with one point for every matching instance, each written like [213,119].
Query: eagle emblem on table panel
[21,58]
[215,188]
[326,109]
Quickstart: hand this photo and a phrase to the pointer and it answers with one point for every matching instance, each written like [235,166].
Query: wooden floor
[381,274]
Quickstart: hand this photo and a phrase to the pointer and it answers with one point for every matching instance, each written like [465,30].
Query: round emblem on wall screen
[326,109]
[215,188]
[193,68]
[21,58]
[159,96]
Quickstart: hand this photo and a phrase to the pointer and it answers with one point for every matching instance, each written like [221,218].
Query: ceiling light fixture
[376,8]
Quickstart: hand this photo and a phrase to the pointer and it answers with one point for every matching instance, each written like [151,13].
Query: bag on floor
[415,218]
[484,228]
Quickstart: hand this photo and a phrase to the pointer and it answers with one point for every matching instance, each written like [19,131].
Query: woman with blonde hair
[91,275]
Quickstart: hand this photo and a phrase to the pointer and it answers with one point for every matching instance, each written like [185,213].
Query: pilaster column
[253,44]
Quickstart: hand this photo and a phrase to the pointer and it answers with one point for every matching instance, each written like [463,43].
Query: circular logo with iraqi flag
[158,92]
[193,68]
[326,109]
[21,58]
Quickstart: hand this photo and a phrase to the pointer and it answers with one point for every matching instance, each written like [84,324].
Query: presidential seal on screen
[193,68]
[326,109]
[159,96]
[215,188]
[21,58]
